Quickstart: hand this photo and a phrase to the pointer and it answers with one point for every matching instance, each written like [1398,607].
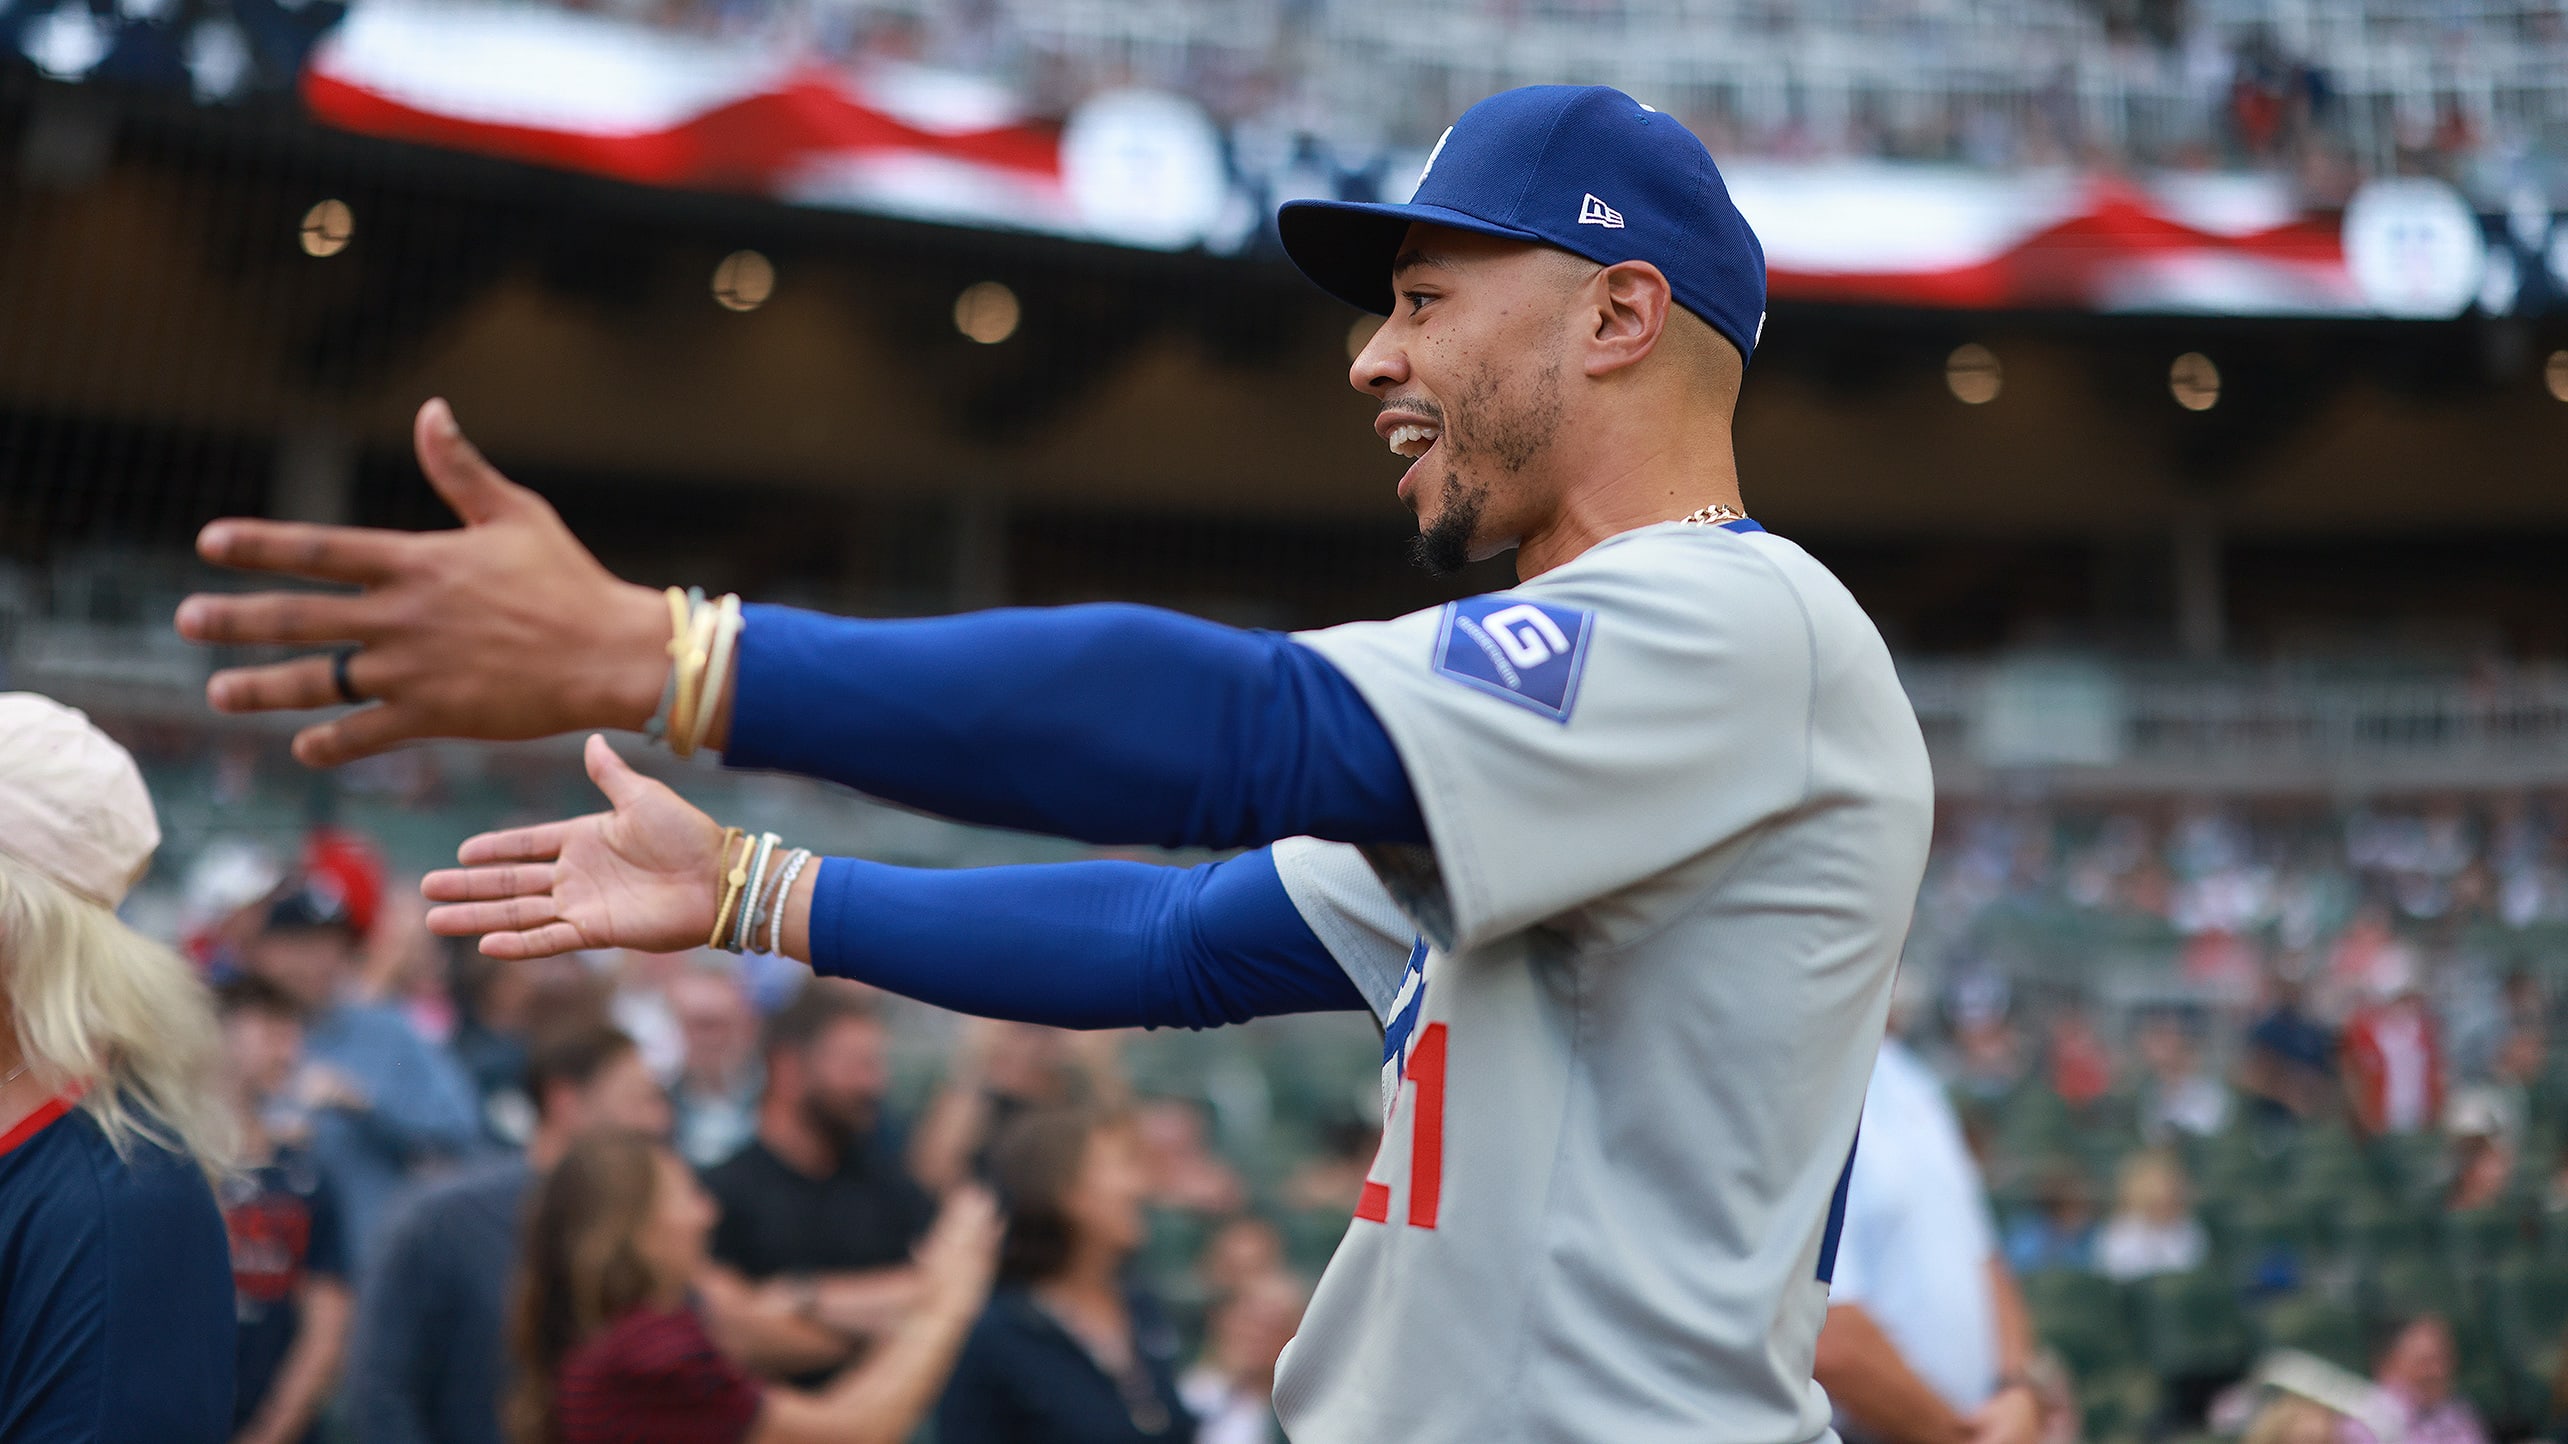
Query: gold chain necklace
[1712,515]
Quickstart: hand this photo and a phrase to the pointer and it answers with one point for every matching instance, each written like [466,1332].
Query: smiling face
[672,1237]
[1475,374]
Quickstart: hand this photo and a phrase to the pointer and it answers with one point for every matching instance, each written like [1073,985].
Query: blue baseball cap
[1585,168]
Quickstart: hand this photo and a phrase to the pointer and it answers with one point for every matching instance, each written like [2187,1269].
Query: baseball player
[1620,858]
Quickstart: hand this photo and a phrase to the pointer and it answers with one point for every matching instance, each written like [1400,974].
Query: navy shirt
[428,1363]
[115,1291]
[284,1223]
[1023,1379]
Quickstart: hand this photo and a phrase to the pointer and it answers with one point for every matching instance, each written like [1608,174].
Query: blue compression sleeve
[1082,944]
[1109,724]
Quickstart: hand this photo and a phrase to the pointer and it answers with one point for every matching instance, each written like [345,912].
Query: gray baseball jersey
[1678,807]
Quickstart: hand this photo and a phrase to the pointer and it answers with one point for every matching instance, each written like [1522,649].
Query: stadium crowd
[2237,1076]
[484,1196]
[2283,1076]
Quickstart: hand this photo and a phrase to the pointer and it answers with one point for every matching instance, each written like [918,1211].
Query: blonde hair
[98,1006]
[2152,1183]
[2289,1419]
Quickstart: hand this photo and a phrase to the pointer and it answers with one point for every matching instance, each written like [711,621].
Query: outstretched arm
[1080,945]
[1110,724]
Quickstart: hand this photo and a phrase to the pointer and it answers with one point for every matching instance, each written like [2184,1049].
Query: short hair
[573,1056]
[821,1005]
[1034,1165]
[250,993]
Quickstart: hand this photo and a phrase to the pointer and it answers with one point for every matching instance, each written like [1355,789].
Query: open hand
[646,875]
[2012,1416]
[504,629]
[961,1251]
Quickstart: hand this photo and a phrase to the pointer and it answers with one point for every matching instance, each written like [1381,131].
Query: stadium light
[2554,374]
[327,228]
[1973,374]
[2194,382]
[987,312]
[744,281]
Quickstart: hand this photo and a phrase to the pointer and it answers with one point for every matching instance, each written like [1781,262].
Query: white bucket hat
[72,804]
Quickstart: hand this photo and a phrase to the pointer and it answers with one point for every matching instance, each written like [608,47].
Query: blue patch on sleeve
[1527,652]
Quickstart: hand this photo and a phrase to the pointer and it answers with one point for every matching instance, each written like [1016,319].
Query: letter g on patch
[1528,653]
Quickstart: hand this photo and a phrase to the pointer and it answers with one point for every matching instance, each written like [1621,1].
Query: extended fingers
[544,942]
[293,686]
[483,884]
[281,618]
[304,549]
[516,844]
[361,733]
[463,919]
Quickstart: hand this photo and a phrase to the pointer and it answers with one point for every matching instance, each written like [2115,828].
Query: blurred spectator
[2518,1075]
[2291,1419]
[494,1003]
[1069,1351]
[407,966]
[430,1351]
[383,1102]
[2081,1066]
[818,1200]
[2414,1369]
[1000,1071]
[1988,1053]
[1926,1339]
[289,1260]
[640,1006]
[116,1306]
[2289,1068]
[2152,1230]
[1332,1180]
[1184,1175]
[719,1081]
[2482,1154]
[609,1348]
[2059,1231]
[2393,1053]
[2180,1097]
[1240,1252]
[1231,1388]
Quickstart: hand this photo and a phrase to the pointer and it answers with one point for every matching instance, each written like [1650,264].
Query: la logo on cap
[1429,167]
[1593,212]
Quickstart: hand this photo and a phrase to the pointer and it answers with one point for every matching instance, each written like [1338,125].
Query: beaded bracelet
[794,864]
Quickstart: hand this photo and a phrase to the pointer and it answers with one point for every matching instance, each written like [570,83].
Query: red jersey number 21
[1425,1071]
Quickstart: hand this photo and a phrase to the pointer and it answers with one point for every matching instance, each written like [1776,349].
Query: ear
[1631,309]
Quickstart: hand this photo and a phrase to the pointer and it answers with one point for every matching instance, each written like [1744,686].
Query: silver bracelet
[794,865]
[745,927]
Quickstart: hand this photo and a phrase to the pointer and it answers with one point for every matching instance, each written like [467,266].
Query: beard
[1496,428]
[843,1124]
[1443,546]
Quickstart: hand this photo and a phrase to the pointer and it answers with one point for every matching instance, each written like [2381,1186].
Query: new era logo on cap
[1584,169]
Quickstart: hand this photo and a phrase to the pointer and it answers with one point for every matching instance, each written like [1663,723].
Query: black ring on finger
[347,690]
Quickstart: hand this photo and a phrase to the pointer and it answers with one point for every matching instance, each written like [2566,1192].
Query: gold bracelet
[699,648]
[726,638]
[735,877]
